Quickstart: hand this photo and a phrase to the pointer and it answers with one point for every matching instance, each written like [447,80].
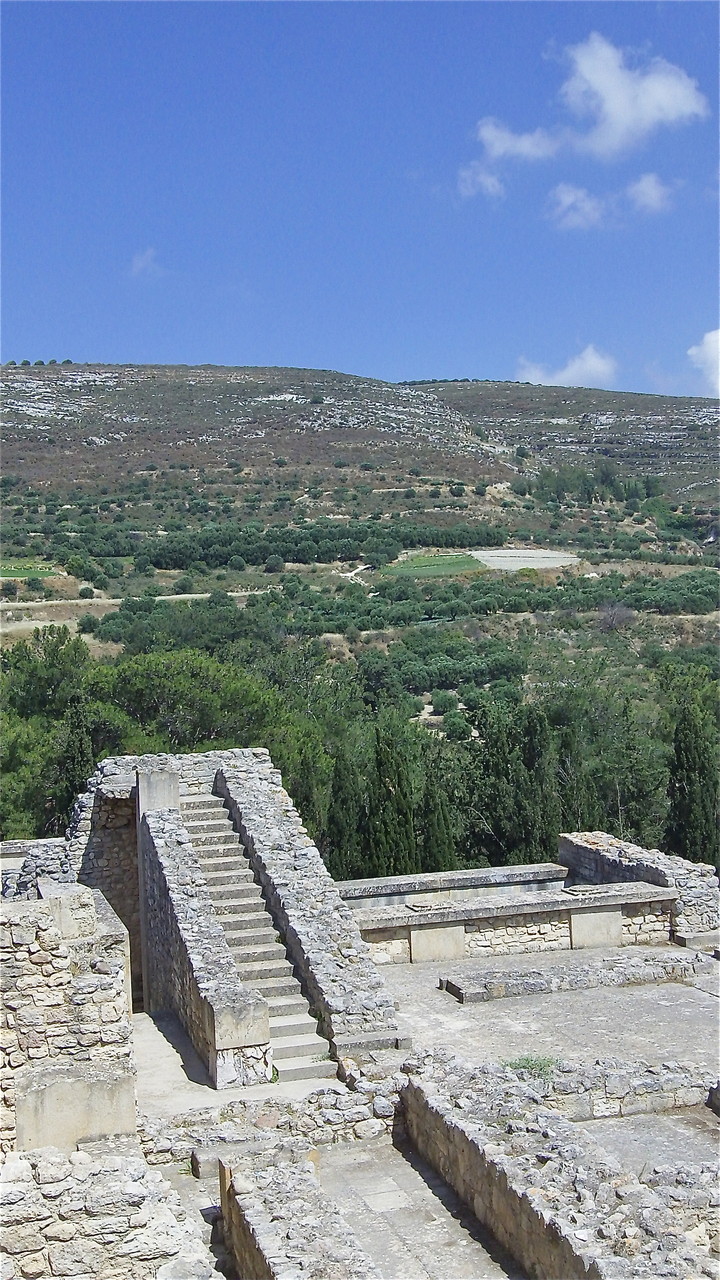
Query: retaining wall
[596,858]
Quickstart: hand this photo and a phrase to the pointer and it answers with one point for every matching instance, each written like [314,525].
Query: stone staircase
[299,1052]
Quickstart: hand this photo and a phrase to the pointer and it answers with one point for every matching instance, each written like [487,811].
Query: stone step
[227,878]
[206,821]
[284,1025]
[304,1046]
[305,1069]
[289,1005]
[277,987]
[215,840]
[243,896]
[253,952]
[204,801]
[248,929]
[247,911]
[219,865]
[251,970]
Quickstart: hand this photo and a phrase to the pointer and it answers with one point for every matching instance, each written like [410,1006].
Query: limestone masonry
[188,894]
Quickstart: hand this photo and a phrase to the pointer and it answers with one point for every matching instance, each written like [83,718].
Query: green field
[436,566]
[25,571]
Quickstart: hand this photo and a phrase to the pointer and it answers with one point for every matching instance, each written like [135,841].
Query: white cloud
[500,141]
[145,263]
[649,194]
[627,104]
[591,368]
[706,357]
[622,104]
[574,208]
[475,177]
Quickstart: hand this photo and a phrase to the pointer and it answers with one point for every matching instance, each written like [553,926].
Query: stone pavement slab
[670,1021]
[407,1219]
[690,1136]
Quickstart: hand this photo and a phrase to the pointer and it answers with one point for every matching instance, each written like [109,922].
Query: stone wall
[597,858]
[536,931]
[65,1004]
[320,933]
[35,858]
[549,1192]
[279,1224]
[95,1219]
[188,968]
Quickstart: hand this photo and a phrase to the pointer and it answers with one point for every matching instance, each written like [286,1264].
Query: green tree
[691,830]
[435,839]
[343,845]
[389,835]
[71,764]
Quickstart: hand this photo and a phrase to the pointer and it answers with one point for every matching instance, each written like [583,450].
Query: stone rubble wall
[95,1219]
[64,997]
[280,1225]
[546,1189]
[648,924]
[596,858]
[633,969]
[539,931]
[190,970]
[319,930]
[39,858]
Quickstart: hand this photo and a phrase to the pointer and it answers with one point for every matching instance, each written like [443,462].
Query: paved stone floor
[689,1136]
[407,1219]
[658,1023]
[171,1079]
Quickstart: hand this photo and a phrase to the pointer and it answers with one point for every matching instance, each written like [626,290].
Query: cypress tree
[538,809]
[691,830]
[389,835]
[71,764]
[437,847]
[344,855]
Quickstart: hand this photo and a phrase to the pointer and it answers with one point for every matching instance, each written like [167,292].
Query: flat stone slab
[689,1136]
[407,1219]
[573,974]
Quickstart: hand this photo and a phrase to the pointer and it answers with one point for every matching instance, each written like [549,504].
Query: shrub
[86,593]
[274,564]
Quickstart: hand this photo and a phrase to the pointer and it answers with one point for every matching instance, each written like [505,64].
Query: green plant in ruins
[71,764]
[388,830]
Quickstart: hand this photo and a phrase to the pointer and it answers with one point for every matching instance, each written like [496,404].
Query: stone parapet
[189,969]
[339,979]
[434,887]
[489,983]
[597,858]
[24,861]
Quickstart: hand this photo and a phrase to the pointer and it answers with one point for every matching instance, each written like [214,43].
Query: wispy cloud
[649,194]
[574,208]
[610,106]
[475,177]
[591,368]
[706,357]
[145,263]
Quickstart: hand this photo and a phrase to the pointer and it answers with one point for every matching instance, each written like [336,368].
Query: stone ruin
[187,889]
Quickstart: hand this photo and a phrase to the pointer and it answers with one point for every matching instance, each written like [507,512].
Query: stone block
[437,942]
[58,1106]
[596,927]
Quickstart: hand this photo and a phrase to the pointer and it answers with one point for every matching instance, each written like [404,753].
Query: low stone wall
[499,984]
[279,1224]
[596,858]
[580,917]
[188,968]
[452,886]
[333,964]
[552,1196]
[65,1006]
[95,1219]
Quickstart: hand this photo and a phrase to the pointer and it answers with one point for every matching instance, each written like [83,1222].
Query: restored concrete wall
[187,965]
[596,858]
[452,886]
[65,1007]
[320,933]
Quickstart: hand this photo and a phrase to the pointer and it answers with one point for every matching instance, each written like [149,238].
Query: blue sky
[401,190]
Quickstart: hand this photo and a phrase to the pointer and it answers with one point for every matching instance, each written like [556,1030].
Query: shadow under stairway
[299,1052]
